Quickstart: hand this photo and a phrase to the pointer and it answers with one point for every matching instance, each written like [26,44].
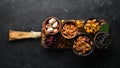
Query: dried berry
[51,41]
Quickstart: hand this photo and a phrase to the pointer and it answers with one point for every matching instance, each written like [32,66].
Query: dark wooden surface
[27,15]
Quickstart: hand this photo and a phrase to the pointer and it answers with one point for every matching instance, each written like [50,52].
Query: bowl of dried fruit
[83,45]
[92,26]
[69,29]
[102,40]
[52,25]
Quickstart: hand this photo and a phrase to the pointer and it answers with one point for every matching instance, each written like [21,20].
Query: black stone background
[27,15]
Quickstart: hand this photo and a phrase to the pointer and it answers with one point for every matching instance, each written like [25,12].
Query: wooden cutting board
[62,42]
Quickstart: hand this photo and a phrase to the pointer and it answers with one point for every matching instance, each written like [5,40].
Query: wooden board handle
[14,35]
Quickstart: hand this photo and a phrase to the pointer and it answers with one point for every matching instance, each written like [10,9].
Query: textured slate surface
[27,15]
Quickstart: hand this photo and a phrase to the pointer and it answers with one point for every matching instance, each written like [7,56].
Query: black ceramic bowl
[92,48]
[102,40]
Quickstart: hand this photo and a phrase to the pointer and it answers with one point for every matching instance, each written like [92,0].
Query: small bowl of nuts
[83,45]
[52,25]
[92,26]
[69,29]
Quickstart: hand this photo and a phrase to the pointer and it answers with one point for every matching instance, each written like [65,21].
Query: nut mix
[92,26]
[52,26]
[82,45]
[69,30]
